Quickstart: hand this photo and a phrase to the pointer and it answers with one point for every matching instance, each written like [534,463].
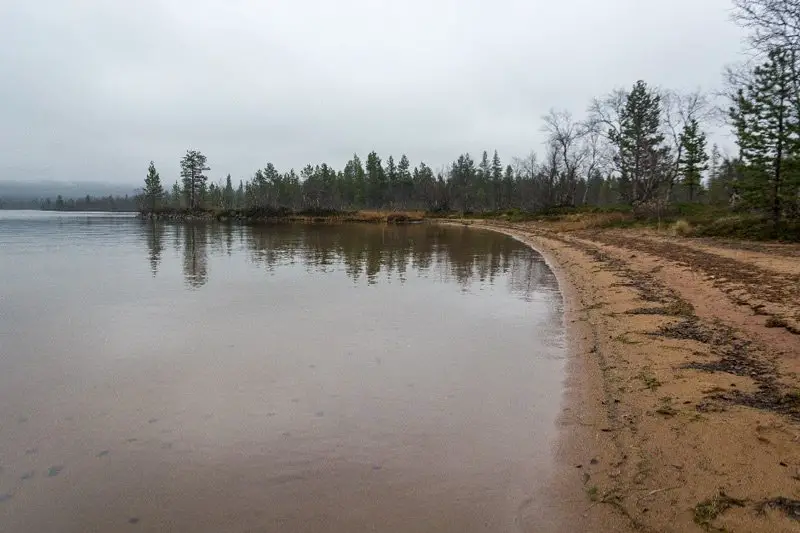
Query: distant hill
[36,190]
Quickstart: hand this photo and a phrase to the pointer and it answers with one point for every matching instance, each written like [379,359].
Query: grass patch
[749,227]
[622,338]
[792,397]
[775,322]
[650,381]
[680,219]
[709,510]
[666,408]
[688,329]
[680,307]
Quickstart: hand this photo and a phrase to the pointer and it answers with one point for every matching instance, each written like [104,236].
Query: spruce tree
[694,159]
[153,191]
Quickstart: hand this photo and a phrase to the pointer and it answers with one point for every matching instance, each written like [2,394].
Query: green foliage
[640,152]
[153,192]
[193,166]
[92,203]
[694,159]
[767,126]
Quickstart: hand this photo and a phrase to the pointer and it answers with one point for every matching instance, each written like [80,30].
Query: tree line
[89,203]
[642,147]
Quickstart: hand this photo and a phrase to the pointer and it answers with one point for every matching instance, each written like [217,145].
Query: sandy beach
[683,398]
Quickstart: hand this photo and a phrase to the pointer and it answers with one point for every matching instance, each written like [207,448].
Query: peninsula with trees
[642,152]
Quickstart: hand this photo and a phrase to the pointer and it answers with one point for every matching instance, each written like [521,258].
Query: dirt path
[684,397]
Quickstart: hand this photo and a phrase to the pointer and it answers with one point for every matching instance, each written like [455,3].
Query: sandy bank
[683,396]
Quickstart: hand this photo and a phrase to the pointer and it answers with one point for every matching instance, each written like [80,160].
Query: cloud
[96,89]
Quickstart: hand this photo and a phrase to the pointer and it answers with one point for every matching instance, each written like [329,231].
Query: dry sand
[683,409]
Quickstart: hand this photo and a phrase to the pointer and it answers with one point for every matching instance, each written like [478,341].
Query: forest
[641,149]
[108,203]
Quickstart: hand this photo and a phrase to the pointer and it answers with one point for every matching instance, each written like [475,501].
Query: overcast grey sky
[95,89]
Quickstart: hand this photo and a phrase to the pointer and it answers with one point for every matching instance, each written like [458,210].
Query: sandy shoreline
[682,407]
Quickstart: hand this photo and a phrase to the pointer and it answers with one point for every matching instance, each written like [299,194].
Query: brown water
[213,378]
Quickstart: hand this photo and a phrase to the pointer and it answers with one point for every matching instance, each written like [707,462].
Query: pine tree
[716,193]
[376,180]
[484,180]
[639,143]
[193,164]
[404,180]
[153,191]
[694,159]
[767,127]
[497,180]
[508,187]
[228,194]
[175,197]
[392,178]
[240,195]
[355,180]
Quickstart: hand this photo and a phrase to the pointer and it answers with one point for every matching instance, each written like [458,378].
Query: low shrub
[681,228]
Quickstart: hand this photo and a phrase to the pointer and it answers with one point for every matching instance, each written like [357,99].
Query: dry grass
[681,228]
[582,221]
[387,216]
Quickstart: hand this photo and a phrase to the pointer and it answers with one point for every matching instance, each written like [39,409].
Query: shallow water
[208,378]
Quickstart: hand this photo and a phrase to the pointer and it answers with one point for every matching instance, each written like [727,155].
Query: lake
[207,377]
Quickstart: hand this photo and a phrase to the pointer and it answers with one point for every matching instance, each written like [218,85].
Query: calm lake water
[214,378]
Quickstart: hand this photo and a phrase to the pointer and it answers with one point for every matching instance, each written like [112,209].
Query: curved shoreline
[652,436]
[576,446]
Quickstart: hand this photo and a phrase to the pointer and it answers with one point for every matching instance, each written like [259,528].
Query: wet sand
[683,409]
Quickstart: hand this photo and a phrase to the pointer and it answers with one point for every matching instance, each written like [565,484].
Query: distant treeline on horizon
[110,203]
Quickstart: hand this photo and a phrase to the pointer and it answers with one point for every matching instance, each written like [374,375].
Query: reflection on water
[155,245]
[195,254]
[366,253]
[208,377]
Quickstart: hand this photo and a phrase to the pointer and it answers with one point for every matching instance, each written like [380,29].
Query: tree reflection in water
[364,252]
